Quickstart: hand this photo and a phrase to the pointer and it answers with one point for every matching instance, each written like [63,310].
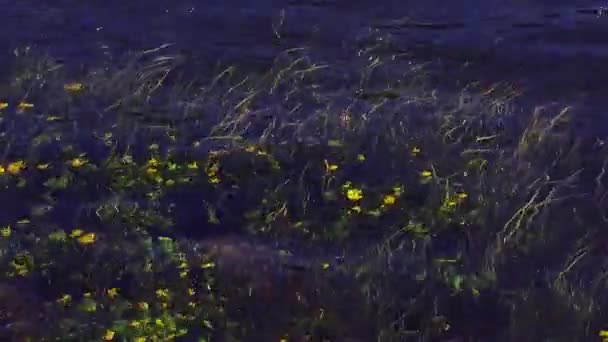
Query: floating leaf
[57,183]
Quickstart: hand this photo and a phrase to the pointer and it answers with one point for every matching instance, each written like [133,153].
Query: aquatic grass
[127,182]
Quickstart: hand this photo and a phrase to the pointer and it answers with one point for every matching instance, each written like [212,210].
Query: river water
[559,43]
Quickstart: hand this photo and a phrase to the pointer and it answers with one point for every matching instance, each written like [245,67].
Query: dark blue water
[556,48]
[254,32]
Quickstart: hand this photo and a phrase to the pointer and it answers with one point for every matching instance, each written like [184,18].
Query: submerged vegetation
[301,204]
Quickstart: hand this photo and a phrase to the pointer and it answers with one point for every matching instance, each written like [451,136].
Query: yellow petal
[76,233]
[426,173]
[25,105]
[87,239]
[72,87]
[15,167]
[389,200]
[109,335]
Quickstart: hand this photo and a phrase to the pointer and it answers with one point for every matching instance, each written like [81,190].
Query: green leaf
[57,183]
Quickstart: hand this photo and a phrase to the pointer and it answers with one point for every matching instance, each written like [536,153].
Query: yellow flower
[5,231]
[3,105]
[462,195]
[162,294]
[76,233]
[25,105]
[209,264]
[159,322]
[72,87]
[153,162]
[191,292]
[77,162]
[143,306]
[134,324]
[415,151]
[389,200]
[426,173]
[397,191]
[87,239]
[113,292]
[212,169]
[139,339]
[20,268]
[43,166]
[109,335]
[360,157]
[15,168]
[214,180]
[193,165]
[330,167]
[2,170]
[354,194]
[151,170]
[64,300]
